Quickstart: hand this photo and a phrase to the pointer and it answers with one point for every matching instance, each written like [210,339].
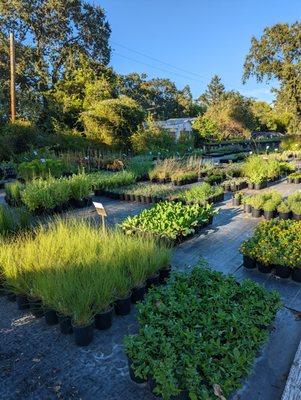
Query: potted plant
[283,210]
[237,199]
[122,285]
[247,204]
[257,203]
[283,271]
[296,210]
[269,208]
[104,298]
[83,318]
[246,249]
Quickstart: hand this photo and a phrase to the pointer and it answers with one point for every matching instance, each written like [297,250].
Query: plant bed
[275,246]
[172,221]
[180,341]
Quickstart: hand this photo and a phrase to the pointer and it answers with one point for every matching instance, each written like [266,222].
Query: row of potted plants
[177,170]
[275,246]
[171,221]
[234,184]
[200,194]
[294,178]
[259,170]
[101,181]
[271,205]
[85,277]
[199,335]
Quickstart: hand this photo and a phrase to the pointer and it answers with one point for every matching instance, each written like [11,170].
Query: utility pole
[12,77]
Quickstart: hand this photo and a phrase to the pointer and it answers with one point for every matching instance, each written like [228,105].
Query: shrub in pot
[283,210]
[296,210]
[237,199]
[123,292]
[104,298]
[257,203]
[269,209]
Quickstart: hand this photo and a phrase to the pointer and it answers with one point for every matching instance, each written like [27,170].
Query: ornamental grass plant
[77,270]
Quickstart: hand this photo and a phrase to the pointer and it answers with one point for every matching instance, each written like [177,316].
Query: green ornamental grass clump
[85,271]
[13,192]
[202,330]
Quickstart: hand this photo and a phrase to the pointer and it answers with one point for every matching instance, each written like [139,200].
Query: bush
[188,343]
[13,191]
[275,242]
[41,168]
[283,207]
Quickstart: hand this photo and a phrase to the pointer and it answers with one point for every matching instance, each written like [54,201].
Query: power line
[161,69]
[157,60]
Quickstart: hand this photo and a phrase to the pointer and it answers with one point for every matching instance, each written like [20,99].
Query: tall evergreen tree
[214,92]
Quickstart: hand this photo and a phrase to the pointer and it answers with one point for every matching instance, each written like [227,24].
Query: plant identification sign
[100,209]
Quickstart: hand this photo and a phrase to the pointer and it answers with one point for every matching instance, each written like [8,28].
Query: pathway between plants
[37,362]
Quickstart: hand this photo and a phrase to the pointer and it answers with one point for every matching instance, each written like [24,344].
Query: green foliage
[214,92]
[275,242]
[41,168]
[113,121]
[267,201]
[259,169]
[188,343]
[277,55]
[86,269]
[16,138]
[200,193]
[12,221]
[169,220]
[13,192]
[152,138]
[107,180]
[140,165]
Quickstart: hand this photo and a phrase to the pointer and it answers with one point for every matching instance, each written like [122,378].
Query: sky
[188,41]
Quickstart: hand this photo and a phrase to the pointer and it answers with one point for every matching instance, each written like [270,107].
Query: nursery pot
[249,262]
[259,186]
[164,274]
[65,324]
[10,296]
[296,274]
[153,280]
[127,197]
[297,180]
[138,294]
[256,213]
[147,199]
[83,334]
[269,214]
[227,188]
[297,217]
[36,307]
[121,196]
[282,271]
[236,202]
[132,375]
[22,302]
[290,180]
[247,208]
[250,185]
[132,197]
[104,320]
[284,215]
[139,199]
[123,306]
[99,192]
[50,316]
[265,269]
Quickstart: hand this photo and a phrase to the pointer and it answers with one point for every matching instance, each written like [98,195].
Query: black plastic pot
[265,269]
[83,334]
[22,302]
[121,196]
[139,198]
[10,296]
[36,307]
[282,271]
[132,375]
[2,290]
[51,317]
[247,208]
[290,180]
[249,262]
[65,324]
[296,274]
[259,186]
[123,306]
[297,217]
[147,199]
[256,213]
[164,274]
[132,197]
[284,215]
[236,202]
[99,192]
[227,188]
[297,180]
[269,214]
[153,280]
[104,320]
[127,197]
[138,294]
[250,185]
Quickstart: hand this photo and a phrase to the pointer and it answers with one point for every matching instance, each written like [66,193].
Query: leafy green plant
[296,207]
[169,220]
[283,207]
[13,192]
[80,186]
[172,320]
[200,193]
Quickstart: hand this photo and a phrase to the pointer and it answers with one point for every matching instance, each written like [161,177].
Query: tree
[160,97]
[269,118]
[277,54]
[113,121]
[214,92]
[59,31]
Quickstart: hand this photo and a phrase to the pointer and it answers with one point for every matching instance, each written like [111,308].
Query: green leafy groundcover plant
[169,220]
[275,242]
[202,330]
[200,193]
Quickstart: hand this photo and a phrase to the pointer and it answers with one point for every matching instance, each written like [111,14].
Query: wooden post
[12,78]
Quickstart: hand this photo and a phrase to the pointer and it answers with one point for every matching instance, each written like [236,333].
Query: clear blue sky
[203,37]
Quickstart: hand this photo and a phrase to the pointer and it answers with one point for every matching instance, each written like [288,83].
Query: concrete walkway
[37,362]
